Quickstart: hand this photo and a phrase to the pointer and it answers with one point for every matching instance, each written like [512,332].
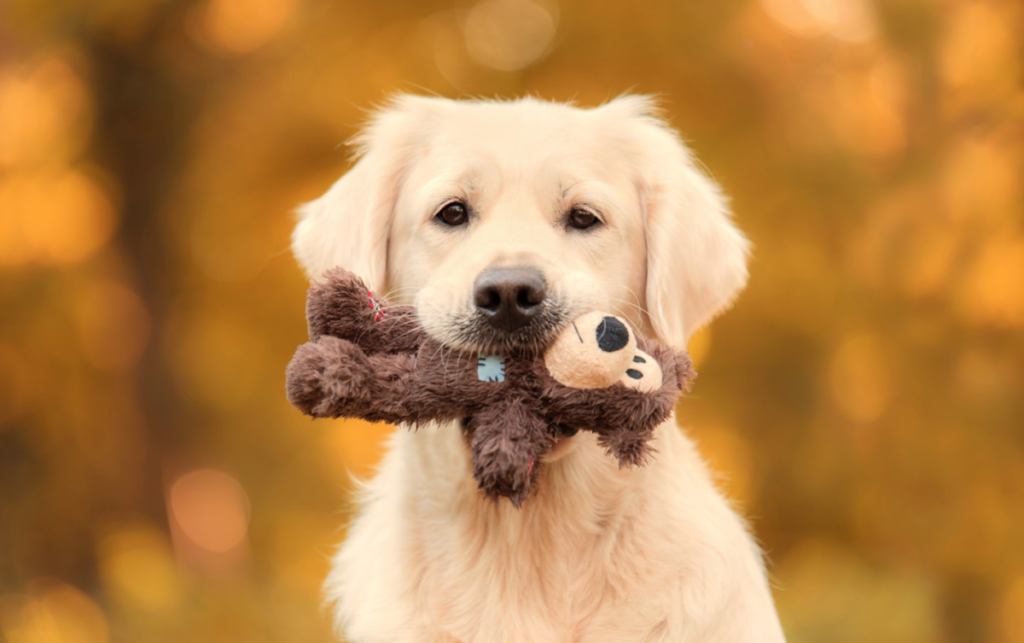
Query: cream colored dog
[500,220]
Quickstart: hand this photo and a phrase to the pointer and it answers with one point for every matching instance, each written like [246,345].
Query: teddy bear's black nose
[612,335]
[509,297]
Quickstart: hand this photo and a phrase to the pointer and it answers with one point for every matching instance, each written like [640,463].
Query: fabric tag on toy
[490,368]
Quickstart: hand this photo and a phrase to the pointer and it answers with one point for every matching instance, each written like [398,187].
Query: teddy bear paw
[325,374]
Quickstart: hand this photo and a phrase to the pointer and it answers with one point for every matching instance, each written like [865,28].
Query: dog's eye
[453,214]
[582,219]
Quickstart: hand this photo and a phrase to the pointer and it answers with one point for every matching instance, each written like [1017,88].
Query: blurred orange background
[863,402]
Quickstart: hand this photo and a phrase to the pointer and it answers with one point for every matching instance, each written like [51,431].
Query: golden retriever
[499,220]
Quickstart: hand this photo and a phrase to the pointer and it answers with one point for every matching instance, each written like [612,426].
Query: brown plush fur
[373,360]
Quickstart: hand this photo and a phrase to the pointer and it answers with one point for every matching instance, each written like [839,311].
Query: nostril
[489,299]
[523,299]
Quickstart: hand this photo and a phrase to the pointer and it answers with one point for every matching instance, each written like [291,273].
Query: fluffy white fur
[598,553]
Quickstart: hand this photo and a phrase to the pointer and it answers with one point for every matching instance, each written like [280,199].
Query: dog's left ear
[349,226]
[696,257]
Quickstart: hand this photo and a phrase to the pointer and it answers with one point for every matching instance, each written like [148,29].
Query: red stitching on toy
[378,310]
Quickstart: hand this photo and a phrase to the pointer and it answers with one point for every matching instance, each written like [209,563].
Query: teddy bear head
[597,350]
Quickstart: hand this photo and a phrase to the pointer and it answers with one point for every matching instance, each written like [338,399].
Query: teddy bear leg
[509,439]
[630,448]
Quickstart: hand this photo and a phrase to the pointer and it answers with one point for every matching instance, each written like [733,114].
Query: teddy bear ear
[643,373]
[350,224]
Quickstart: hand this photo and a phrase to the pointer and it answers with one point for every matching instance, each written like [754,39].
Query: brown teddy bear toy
[372,360]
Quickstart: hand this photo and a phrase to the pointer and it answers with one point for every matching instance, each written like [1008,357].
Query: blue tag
[490,368]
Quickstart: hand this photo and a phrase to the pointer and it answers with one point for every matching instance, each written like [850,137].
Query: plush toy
[370,359]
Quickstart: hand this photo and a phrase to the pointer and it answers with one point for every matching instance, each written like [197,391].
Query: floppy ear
[349,225]
[696,257]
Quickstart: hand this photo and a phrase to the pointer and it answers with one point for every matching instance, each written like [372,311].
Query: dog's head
[502,221]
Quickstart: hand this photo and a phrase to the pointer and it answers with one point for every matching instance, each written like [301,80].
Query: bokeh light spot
[211,508]
[242,26]
[980,49]
[39,110]
[138,568]
[992,290]
[508,34]
[52,220]
[58,613]
[849,20]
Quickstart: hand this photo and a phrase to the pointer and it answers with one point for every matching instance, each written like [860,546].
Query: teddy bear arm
[341,305]
[623,418]
[333,377]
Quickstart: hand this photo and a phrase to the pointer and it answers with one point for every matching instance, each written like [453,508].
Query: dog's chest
[537,588]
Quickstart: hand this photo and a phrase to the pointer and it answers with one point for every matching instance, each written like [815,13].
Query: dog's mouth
[474,333]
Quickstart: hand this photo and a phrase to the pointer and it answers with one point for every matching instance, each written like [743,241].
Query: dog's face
[503,221]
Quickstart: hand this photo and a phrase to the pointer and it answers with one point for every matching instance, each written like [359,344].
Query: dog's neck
[581,489]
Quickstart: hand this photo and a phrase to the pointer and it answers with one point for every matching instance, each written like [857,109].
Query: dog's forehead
[557,147]
[527,129]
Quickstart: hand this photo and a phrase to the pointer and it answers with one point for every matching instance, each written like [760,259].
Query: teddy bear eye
[453,214]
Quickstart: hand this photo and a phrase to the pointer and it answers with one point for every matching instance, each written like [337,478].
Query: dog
[497,220]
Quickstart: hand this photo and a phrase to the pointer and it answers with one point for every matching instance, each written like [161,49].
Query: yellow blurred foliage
[730,457]
[355,447]
[930,258]
[827,593]
[242,26]
[981,48]
[981,182]
[1010,613]
[300,546]
[40,113]
[866,106]
[992,289]
[216,358]
[508,34]
[15,381]
[52,219]
[699,346]
[850,20]
[56,613]
[137,566]
[113,325]
[862,402]
[860,379]
[806,294]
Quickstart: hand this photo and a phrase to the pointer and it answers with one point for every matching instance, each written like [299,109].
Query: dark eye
[453,214]
[582,219]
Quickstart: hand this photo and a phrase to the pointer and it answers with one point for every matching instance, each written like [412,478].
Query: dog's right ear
[696,256]
[350,224]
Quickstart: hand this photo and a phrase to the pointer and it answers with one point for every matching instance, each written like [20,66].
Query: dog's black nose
[612,335]
[509,297]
